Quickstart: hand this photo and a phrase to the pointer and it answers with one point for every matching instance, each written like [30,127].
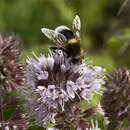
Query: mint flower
[53,82]
[11,72]
[58,81]
[116,99]
[11,77]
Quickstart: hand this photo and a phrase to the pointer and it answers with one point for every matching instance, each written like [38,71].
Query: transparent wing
[76,25]
[54,36]
[125,8]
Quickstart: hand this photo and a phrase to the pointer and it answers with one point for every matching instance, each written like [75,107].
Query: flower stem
[1,108]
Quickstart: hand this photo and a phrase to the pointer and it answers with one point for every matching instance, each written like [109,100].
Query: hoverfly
[66,39]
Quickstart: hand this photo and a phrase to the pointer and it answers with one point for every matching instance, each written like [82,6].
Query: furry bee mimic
[66,39]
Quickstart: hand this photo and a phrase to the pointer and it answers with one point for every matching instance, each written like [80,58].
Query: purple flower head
[11,72]
[56,82]
[117,108]
[16,122]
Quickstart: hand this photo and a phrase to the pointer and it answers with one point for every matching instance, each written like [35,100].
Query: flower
[116,98]
[41,113]
[82,126]
[52,128]
[16,122]
[11,76]
[11,72]
[94,126]
[56,81]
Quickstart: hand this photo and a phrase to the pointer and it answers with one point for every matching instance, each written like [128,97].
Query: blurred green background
[105,34]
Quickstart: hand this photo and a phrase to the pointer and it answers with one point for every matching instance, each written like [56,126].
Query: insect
[66,39]
[125,8]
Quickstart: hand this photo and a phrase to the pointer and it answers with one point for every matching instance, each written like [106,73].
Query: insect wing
[54,36]
[76,25]
[125,8]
